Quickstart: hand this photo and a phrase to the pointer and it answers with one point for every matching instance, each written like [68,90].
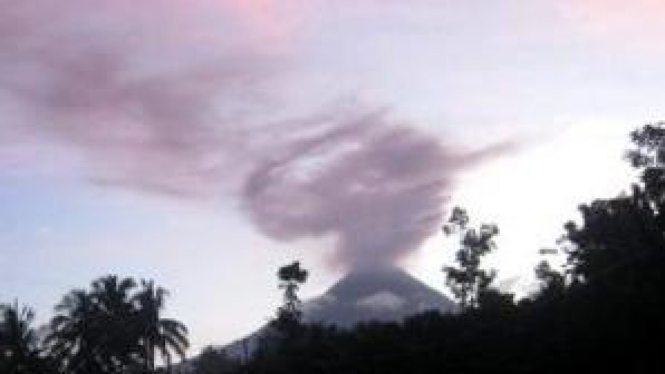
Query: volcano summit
[378,294]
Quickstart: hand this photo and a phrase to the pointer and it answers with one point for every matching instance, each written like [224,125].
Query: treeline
[603,312]
[114,326]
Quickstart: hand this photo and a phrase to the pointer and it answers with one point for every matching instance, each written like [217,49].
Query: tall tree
[290,278]
[157,334]
[74,336]
[648,156]
[117,336]
[467,280]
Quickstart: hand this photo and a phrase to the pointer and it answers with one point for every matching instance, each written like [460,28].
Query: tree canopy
[114,326]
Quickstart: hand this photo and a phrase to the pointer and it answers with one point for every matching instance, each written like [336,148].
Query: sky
[205,143]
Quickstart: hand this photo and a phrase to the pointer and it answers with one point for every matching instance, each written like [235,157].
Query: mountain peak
[381,293]
[367,280]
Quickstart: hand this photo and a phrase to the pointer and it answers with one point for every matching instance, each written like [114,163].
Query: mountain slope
[383,294]
[379,294]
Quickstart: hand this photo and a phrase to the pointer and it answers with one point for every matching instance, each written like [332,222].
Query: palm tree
[74,331]
[92,331]
[116,338]
[112,329]
[112,294]
[157,334]
[18,341]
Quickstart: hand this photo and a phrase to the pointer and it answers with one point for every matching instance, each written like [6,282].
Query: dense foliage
[116,326]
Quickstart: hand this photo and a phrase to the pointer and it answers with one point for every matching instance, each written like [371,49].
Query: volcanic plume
[105,85]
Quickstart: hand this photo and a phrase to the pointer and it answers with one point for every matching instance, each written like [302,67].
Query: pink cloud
[166,100]
[634,23]
[269,18]
[118,87]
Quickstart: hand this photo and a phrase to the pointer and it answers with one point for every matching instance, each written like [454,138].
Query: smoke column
[378,188]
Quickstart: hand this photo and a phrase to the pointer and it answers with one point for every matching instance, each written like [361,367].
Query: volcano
[379,294]
[376,294]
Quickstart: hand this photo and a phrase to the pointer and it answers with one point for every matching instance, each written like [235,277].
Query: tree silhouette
[157,334]
[117,336]
[114,328]
[468,281]
[290,278]
[74,337]
[620,235]
[19,352]
[615,262]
